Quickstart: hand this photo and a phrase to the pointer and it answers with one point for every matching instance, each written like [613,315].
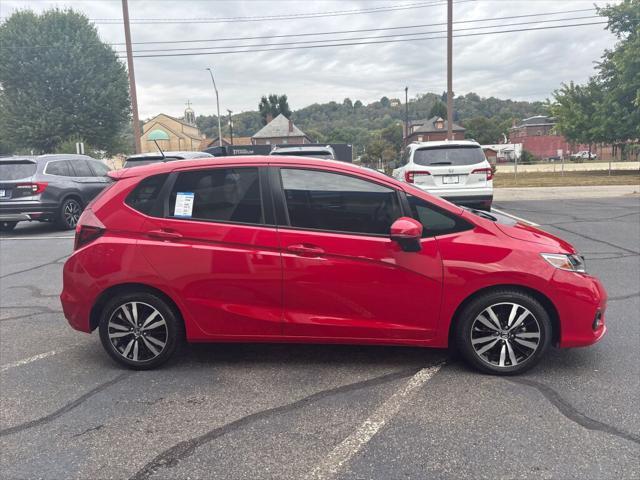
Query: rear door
[343,277]
[88,183]
[13,173]
[217,248]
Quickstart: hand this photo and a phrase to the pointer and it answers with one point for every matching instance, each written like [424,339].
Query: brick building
[538,136]
[432,130]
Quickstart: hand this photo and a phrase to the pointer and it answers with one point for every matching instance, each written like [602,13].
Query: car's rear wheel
[504,332]
[7,226]
[140,330]
[69,214]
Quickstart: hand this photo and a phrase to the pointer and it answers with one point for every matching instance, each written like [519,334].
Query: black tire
[473,334]
[7,226]
[69,213]
[113,319]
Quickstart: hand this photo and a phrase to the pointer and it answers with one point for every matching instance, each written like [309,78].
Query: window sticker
[184,204]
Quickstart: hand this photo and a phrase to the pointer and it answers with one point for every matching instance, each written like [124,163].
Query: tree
[347,103]
[385,102]
[392,135]
[357,104]
[483,130]
[575,108]
[618,77]
[273,105]
[439,109]
[59,81]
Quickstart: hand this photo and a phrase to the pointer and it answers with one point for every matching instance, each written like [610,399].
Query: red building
[538,136]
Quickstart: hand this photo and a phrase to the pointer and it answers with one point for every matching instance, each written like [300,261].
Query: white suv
[455,170]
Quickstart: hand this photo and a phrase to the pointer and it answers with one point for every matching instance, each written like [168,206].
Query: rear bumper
[26,211]
[462,196]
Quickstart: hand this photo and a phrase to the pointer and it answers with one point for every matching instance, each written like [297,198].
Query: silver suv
[455,170]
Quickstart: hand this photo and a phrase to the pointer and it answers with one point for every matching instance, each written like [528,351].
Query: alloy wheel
[71,212]
[505,335]
[137,331]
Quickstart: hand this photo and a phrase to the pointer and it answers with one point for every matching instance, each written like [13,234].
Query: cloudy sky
[526,65]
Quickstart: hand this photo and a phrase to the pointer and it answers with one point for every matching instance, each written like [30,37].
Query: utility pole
[406,114]
[132,77]
[218,107]
[230,126]
[449,69]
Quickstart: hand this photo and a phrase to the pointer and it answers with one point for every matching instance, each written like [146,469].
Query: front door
[343,276]
[218,252]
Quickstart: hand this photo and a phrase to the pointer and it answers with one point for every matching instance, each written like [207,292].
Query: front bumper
[579,299]
[27,211]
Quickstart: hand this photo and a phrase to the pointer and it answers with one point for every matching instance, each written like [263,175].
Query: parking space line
[524,220]
[25,361]
[34,238]
[351,445]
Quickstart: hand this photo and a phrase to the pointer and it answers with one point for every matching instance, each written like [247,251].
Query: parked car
[48,188]
[583,155]
[455,170]
[325,152]
[140,159]
[259,249]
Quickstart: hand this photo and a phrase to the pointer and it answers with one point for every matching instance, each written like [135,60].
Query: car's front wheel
[503,332]
[7,226]
[140,330]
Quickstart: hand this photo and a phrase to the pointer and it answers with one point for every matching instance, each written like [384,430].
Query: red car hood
[528,233]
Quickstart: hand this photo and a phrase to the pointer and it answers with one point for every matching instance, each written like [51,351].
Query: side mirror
[407,232]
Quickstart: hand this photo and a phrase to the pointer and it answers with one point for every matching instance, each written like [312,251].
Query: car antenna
[156,135]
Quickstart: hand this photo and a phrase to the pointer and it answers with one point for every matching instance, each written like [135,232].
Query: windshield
[325,155]
[458,155]
[16,170]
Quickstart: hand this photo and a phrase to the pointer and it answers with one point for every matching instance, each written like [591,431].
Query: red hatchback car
[286,249]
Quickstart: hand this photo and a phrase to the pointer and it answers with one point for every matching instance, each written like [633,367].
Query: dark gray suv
[48,188]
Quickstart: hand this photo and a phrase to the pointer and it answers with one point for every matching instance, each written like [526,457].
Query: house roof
[279,127]
[428,126]
[538,120]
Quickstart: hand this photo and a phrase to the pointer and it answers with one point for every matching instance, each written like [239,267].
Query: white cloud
[525,65]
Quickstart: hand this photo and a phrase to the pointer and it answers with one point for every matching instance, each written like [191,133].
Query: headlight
[573,263]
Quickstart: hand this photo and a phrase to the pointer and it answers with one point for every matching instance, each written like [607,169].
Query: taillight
[88,229]
[410,177]
[28,189]
[487,171]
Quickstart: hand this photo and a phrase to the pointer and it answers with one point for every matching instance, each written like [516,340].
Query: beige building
[183,133]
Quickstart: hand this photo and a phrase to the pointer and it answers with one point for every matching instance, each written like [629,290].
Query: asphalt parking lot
[294,411]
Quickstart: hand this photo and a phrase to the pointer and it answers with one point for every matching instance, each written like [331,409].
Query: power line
[342,44]
[362,30]
[293,16]
[360,38]
[339,32]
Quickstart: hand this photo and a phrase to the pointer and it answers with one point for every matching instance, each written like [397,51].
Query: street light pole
[449,69]
[406,113]
[132,77]
[217,106]
[230,126]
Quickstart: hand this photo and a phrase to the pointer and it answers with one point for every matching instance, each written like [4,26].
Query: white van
[455,170]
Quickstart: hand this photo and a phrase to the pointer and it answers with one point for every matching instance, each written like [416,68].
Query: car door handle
[305,250]
[164,234]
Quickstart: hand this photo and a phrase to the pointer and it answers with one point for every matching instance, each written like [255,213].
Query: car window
[221,194]
[458,155]
[81,168]
[16,170]
[144,196]
[99,168]
[405,157]
[434,220]
[331,201]
[59,167]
